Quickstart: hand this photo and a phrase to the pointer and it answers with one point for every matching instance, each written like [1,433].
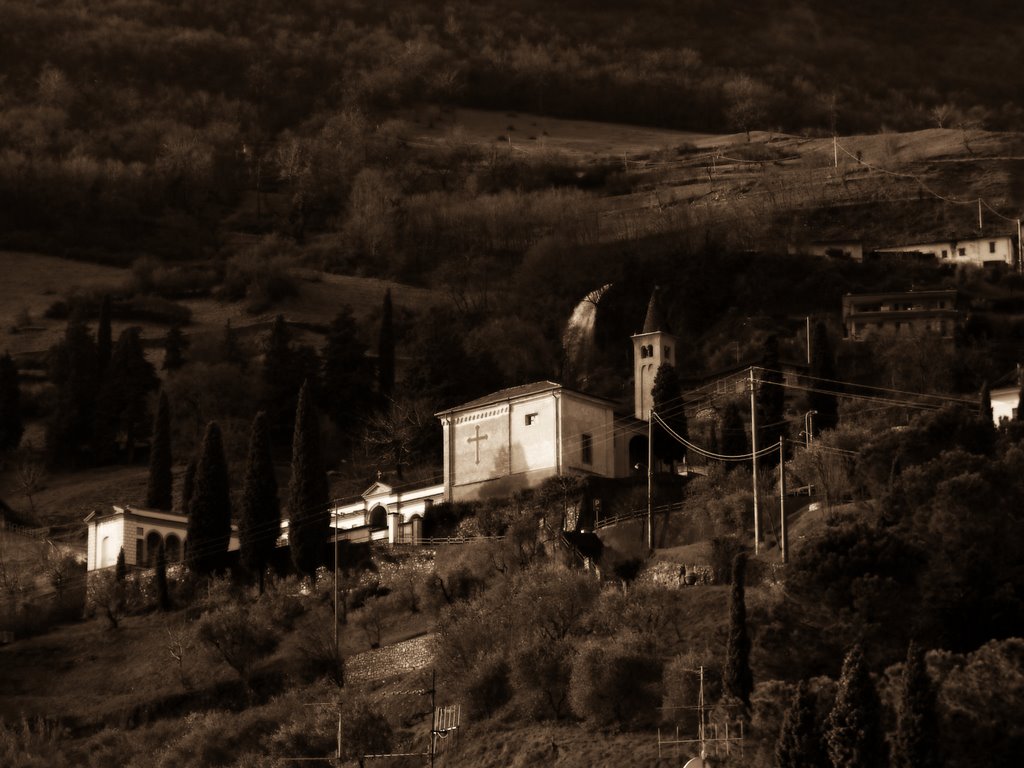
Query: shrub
[486,687]
[614,687]
[539,674]
[234,637]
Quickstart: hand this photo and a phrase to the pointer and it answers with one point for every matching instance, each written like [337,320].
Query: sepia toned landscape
[529,384]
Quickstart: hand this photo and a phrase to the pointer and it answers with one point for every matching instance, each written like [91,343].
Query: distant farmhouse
[913,313]
[989,251]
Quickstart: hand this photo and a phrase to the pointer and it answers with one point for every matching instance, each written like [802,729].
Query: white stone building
[517,438]
[385,514]
[995,250]
[140,531]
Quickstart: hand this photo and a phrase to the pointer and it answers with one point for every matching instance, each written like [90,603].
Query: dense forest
[141,126]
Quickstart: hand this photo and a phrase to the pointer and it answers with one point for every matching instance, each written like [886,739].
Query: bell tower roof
[655,321]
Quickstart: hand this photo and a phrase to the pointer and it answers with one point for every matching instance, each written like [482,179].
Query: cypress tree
[309,517]
[160,578]
[120,567]
[104,338]
[386,353]
[737,676]
[800,744]
[188,485]
[231,350]
[666,393]
[174,349]
[209,514]
[73,371]
[917,731]
[259,524]
[345,372]
[823,369]
[733,435]
[159,493]
[279,379]
[853,732]
[121,405]
[985,403]
[1020,404]
[11,425]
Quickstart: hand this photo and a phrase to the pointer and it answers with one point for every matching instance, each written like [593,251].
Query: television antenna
[720,738]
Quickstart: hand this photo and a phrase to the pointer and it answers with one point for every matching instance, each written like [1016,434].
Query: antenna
[722,737]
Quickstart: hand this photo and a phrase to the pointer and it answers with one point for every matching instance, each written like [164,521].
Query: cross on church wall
[476,440]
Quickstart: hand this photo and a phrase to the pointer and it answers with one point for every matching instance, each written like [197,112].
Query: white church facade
[516,438]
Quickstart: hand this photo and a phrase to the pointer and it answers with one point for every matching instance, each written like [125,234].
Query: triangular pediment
[378,489]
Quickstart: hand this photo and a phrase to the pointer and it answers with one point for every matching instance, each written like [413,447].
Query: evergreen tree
[770,401]
[175,345]
[737,676]
[120,567]
[160,578]
[104,337]
[209,513]
[386,353]
[231,350]
[73,373]
[260,522]
[122,403]
[823,371]
[308,513]
[800,744]
[917,730]
[280,387]
[11,425]
[188,485]
[159,493]
[733,434]
[666,394]
[853,732]
[346,372]
[985,403]
[1020,404]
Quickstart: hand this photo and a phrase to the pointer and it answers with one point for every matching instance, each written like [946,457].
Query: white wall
[975,251]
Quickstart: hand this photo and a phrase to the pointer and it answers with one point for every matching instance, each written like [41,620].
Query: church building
[517,438]
[498,444]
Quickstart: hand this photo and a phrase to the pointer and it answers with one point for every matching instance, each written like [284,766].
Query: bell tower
[653,346]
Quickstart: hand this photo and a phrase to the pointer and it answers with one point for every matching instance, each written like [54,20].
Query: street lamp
[808,423]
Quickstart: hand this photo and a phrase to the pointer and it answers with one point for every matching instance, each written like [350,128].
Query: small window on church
[586,449]
[138,531]
[530,418]
[668,352]
[643,351]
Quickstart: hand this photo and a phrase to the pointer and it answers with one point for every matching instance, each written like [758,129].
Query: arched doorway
[172,548]
[153,540]
[378,519]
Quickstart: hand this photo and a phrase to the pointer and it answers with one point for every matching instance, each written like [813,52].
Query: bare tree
[31,475]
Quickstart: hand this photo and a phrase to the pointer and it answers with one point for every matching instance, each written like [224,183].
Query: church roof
[516,393]
[655,320]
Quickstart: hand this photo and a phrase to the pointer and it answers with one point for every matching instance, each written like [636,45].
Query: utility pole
[334,520]
[433,713]
[650,480]
[980,225]
[753,453]
[783,536]
[808,335]
[835,151]
[1020,250]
